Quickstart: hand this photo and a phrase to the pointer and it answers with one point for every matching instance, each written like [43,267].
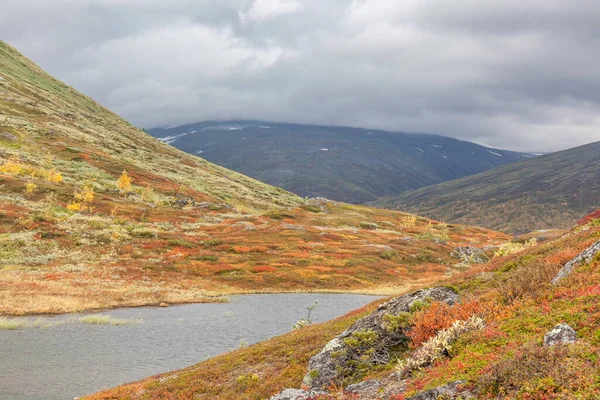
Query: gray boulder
[470,255]
[364,388]
[8,137]
[446,392]
[328,367]
[561,334]
[291,394]
[586,256]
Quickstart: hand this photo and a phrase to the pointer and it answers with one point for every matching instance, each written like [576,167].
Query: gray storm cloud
[512,74]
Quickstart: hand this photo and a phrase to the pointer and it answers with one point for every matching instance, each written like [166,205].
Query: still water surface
[71,359]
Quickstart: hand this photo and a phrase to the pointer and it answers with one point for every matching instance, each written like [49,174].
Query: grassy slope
[139,247]
[504,360]
[551,191]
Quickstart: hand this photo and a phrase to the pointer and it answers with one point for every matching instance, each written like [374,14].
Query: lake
[59,357]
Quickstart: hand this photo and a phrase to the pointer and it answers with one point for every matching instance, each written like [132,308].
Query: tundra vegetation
[95,213]
[492,339]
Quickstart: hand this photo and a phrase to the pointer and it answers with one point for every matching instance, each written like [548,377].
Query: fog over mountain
[345,164]
[511,74]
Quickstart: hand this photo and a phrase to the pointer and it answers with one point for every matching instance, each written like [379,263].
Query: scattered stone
[8,137]
[438,241]
[292,227]
[379,246]
[296,394]
[470,255]
[447,392]
[585,255]
[364,388]
[560,334]
[163,304]
[491,247]
[183,202]
[324,368]
[246,226]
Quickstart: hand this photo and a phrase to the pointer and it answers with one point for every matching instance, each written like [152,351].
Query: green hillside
[551,191]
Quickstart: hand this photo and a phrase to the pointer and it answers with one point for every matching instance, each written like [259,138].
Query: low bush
[535,372]
[437,346]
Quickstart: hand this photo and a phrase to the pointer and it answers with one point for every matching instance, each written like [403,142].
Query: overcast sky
[522,75]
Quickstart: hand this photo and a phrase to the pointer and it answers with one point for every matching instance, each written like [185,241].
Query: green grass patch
[107,320]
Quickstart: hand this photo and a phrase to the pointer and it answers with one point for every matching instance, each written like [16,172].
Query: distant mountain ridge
[551,191]
[346,164]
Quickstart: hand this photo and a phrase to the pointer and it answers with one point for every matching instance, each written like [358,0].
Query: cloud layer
[513,74]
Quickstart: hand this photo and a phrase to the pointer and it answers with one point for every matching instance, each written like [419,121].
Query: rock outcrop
[295,394]
[447,392]
[586,256]
[470,255]
[328,367]
[560,334]
[364,388]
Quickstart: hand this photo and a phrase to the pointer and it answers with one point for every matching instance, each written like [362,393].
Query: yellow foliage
[85,195]
[83,198]
[30,187]
[12,166]
[74,206]
[54,176]
[124,182]
[409,222]
[512,248]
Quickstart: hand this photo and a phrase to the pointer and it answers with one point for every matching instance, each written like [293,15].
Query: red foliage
[438,316]
[263,268]
[589,217]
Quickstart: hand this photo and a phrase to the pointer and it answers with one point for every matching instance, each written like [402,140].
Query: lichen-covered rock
[447,392]
[364,388]
[291,394]
[8,137]
[586,256]
[560,334]
[470,255]
[297,394]
[327,367]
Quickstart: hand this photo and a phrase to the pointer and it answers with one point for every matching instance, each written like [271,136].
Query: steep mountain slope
[551,191]
[344,164]
[77,233]
[505,355]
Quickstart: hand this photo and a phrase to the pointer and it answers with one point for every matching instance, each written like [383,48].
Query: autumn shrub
[207,257]
[30,187]
[409,222]
[527,280]
[589,218]
[368,225]
[514,247]
[82,198]
[263,268]
[535,372]
[14,166]
[211,243]
[247,381]
[387,255]
[124,182]
[181,243]
[438,316]
[437,346]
